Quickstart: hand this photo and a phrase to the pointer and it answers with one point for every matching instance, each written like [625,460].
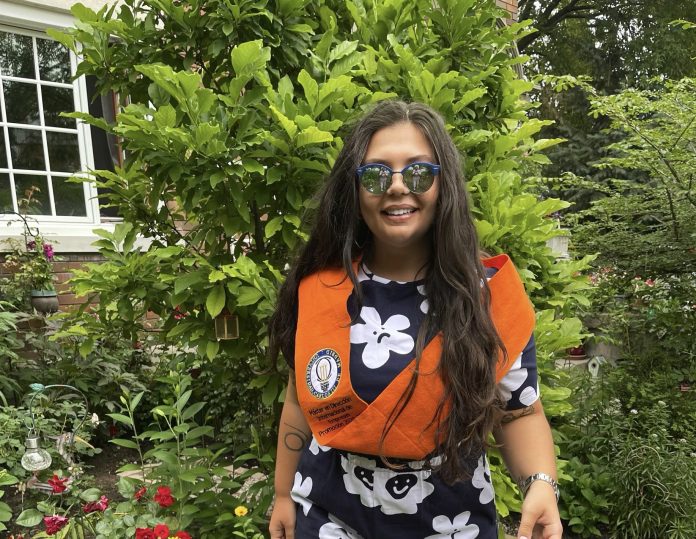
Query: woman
[406,352]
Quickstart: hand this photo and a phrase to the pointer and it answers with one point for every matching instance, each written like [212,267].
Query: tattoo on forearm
[509,417]
[296,439]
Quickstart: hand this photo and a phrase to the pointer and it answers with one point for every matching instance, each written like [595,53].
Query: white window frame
[70,234]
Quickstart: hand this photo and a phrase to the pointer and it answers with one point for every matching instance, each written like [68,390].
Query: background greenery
[232,114]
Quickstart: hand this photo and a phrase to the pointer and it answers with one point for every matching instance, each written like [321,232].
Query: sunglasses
[418,177]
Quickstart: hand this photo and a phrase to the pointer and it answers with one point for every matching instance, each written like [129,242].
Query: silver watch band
[524,484]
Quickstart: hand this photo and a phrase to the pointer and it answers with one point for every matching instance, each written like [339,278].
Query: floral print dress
[342,495]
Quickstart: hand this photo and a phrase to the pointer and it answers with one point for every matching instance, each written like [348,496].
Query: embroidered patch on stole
[323,373]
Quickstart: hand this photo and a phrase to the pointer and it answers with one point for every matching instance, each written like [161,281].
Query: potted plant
[31,265]
[30,260]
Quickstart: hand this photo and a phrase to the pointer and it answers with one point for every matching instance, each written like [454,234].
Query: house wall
[62,5]
[510,6]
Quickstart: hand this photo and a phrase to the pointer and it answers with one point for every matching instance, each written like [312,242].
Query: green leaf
[248,296]
[286,123]
[216,300]
[250,56]
[273,226]
[121,419]
[187,280]
[29,518]
[211,349]
[130,444]
[7,479]
[90,495]
[168,457]
[312,135]
[193,409]
[311,88]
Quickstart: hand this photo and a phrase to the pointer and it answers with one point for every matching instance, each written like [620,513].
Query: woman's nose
[397,185]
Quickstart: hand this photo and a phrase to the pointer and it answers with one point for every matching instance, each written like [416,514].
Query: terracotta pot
[44,301]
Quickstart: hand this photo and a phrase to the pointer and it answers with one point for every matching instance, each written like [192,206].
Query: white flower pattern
[301,489]
[424,304]
[482,482]
[457,528]
[335,529]
[513,380]
[381,338]
[315,447]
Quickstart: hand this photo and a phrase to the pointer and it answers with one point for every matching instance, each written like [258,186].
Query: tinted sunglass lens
[375,179]
[418,178]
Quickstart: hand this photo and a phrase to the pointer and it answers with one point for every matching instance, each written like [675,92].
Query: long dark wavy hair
[455,284]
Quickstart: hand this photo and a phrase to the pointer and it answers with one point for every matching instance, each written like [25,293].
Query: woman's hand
[282,524]
[540,518]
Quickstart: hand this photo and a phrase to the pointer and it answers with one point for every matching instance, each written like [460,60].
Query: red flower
[164,497]
[144,533]
[650,282]
[139,493]
[58,484]
[181,534]
[54,524]
[100,505]
[162,531]
[179,314]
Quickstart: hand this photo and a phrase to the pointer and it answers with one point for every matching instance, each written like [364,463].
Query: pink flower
[31,245]
[48,251]
[99,505]
[650,282]
[54,524]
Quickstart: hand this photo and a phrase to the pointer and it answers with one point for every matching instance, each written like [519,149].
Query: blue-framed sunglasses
[418,177]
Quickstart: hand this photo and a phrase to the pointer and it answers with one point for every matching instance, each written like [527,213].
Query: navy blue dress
[342,495]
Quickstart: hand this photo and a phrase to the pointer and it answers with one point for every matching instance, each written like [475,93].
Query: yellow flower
[240,511]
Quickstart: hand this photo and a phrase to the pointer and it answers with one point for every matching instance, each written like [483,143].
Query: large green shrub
[233,113]
[635,467]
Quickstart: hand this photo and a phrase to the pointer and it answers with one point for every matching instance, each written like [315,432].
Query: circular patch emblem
[323,373]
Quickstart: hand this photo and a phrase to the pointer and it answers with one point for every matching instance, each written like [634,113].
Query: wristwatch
[524,484]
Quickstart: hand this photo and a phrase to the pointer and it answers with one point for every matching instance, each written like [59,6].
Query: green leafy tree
[233,112]
[647,224]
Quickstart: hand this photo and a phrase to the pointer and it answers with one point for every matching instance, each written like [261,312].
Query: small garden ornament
[36,459]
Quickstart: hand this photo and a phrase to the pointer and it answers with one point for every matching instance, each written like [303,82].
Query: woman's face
[399,219]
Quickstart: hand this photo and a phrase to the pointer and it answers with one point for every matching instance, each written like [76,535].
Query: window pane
[69,197]
[16,55]
[3,153]
[63,152]
[5,194]
[54,61]
[26,149]
[21,102]
[32,191]
[55,101]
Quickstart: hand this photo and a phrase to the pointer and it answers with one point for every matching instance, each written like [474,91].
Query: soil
[104,465]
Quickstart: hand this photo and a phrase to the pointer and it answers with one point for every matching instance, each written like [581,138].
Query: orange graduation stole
[336,414]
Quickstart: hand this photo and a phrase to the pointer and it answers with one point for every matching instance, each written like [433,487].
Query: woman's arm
[293,436]
[527,447]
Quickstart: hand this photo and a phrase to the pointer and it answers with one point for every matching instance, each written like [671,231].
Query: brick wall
[510,5]
[63,270]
